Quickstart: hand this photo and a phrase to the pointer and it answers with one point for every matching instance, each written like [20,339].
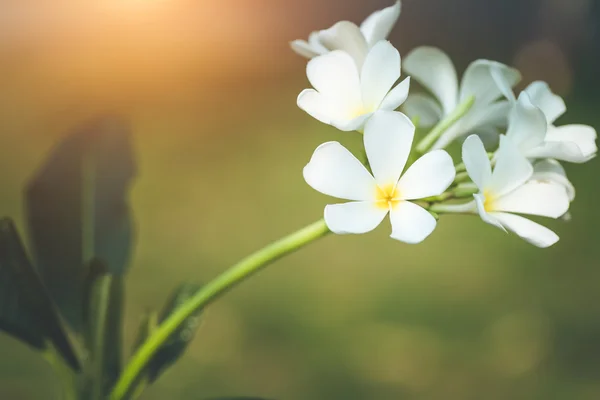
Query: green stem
[218,286]
[445,124]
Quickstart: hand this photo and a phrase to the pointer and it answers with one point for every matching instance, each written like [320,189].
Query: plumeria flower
[388,137]
[433,69]
[345,96]
[551,171]
[572,143]
[509,189]
[348,37]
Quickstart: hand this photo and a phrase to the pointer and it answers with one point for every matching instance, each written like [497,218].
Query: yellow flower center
[489,200]
[387,196]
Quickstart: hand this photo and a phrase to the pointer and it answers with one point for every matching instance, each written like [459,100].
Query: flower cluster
[511,147]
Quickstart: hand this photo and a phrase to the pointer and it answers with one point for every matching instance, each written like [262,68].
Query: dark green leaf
[175,346]
[26,309]
[77,210]
[103,328]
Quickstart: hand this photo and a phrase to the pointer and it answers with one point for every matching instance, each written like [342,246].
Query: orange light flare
[127,50]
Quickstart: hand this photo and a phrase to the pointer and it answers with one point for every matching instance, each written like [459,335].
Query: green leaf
[26,308]
[77,210]
[103,328]
[175,346]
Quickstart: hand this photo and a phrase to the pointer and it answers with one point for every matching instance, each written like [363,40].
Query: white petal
[490,137]
[485,216]
[477,162]
[317,105]
[527,125]
[303,48]
[379,73]
[345,36]
[335,75]
[355,217]
[479,82]
[564,151]
[503,82]
[423,107]
[535,198]
[388,139]
[315,42]
[551,171]
[433,69]
[532,232]
[396,96]
[552,105]
[352,124]
[430,175]
[379,24]
[411,223]
[334,171]
[583,136]
[495,115]
[511,171]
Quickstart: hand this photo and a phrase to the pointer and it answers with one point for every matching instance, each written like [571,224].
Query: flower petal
[388,138]
[583,136]
[527,125]
[503,82]
[345,36]
[303,48]
[430,175]
[396,96]
[477,161]
[552,105]
[433,69]
[423,107]
[316,105]
[535,198]
[479,82]
[352,124]
[379,73]
[551,171]
[485,216]
[564,151]
[334,171]
[379,25]
[411,223]
[335,75]
[511,171]
[354,217]
[532,232]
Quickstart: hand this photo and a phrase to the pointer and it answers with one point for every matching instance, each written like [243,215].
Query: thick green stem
[221,284]
[445,124]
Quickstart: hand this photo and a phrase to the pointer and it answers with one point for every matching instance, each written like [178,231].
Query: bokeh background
[210,89]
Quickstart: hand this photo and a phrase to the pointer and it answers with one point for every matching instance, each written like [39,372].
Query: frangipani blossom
[433,69]
[509,189]
[344,96]
[573,143]
[388,137]
[552,172]
[350,38]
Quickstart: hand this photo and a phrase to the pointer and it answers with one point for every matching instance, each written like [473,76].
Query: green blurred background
[210,88]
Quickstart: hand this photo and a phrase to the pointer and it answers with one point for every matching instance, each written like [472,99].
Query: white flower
[346,97]
[349,37]
[509,189]
[552,172]
[572,143]
[388,137]
[433,69]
